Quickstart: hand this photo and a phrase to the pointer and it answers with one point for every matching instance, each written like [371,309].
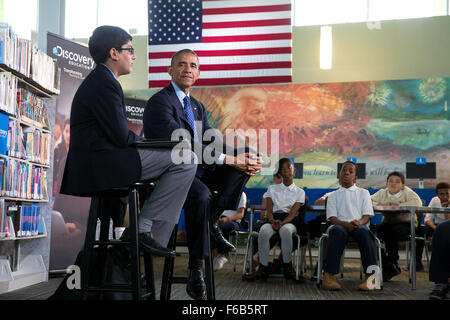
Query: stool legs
[134,246]
[168,278]
[99,274]
[209,272]
[89,244]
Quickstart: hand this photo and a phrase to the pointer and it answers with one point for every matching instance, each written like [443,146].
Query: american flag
[238,42]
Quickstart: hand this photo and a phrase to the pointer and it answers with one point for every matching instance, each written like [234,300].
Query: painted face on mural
[247,108]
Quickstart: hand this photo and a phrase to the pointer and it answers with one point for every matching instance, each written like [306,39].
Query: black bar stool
[168,277]
[96,212]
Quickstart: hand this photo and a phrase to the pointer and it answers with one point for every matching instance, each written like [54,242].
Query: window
[405,9]
[83,16]
[322,12]
[21,15]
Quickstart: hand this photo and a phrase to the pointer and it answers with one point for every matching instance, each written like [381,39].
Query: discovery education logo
[74,59]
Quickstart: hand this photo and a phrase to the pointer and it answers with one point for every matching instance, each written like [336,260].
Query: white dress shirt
[242,203]
[284,197]
[436,218]
[348,204]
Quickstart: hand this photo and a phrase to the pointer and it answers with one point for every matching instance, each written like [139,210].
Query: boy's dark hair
[103,39]
[397,174]
[442,185]
[280,164]
[354,164]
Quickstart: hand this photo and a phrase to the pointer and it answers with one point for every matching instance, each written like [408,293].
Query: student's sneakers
[440,292]
[390,270]
[276,266]
[330,283]
[419,267]
[219,262]
[262,273]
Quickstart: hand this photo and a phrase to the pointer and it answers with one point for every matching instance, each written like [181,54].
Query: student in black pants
[440,262]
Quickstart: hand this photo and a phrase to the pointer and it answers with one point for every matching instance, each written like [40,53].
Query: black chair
[87,262]
[168,276]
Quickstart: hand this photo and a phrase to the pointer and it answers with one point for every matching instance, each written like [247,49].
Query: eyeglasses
[131,49]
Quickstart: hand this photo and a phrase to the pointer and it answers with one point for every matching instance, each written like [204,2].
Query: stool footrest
[111,288]
[112,242]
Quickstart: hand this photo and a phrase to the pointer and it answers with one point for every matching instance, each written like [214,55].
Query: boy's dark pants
[338,238]
[391,234]
[440,257]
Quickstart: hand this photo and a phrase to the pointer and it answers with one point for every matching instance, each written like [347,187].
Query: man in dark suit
[102,154]
[174,108]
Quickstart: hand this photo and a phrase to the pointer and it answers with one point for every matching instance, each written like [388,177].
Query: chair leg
[149,276]
[134,247]
[427,255]
[169,262]
[319,261]
[88,244]
[209,272]
[298,255]
[235,252]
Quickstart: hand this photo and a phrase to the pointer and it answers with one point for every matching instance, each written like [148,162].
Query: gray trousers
[161,210]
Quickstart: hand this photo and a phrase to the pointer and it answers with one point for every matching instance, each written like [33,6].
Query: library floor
[229,285]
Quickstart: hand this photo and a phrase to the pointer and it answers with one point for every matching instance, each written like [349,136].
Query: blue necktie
[190,115]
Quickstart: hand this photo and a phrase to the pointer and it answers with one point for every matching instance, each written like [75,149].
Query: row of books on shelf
[20,102]
[22,56]
[18,221]
[22,180]
[8,92]
[32,107]
[27,143]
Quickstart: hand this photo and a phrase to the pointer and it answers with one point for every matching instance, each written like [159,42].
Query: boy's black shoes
[390,270]
[262,273]
[440,292]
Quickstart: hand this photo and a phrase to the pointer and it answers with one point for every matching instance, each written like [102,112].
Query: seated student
[349,210]
[228,221]
[277,179]
[440,262]
[283,202]
[442,200]
[394,227]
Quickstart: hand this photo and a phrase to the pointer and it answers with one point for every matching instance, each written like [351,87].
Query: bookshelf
[27,111]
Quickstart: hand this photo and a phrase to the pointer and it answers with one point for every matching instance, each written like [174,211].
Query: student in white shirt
[349,210]
[442,200]
[228,221]
[283,203]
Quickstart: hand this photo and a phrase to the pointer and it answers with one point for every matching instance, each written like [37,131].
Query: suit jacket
[101,155]
[164,113]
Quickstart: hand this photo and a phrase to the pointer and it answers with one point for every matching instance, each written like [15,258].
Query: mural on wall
[381,123]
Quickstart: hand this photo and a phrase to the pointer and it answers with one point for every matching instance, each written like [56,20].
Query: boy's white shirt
[435,218]
[348,204]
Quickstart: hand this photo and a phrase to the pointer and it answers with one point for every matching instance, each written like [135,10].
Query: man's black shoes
[440,292]
[218,236]
[196,287]
[149,244]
